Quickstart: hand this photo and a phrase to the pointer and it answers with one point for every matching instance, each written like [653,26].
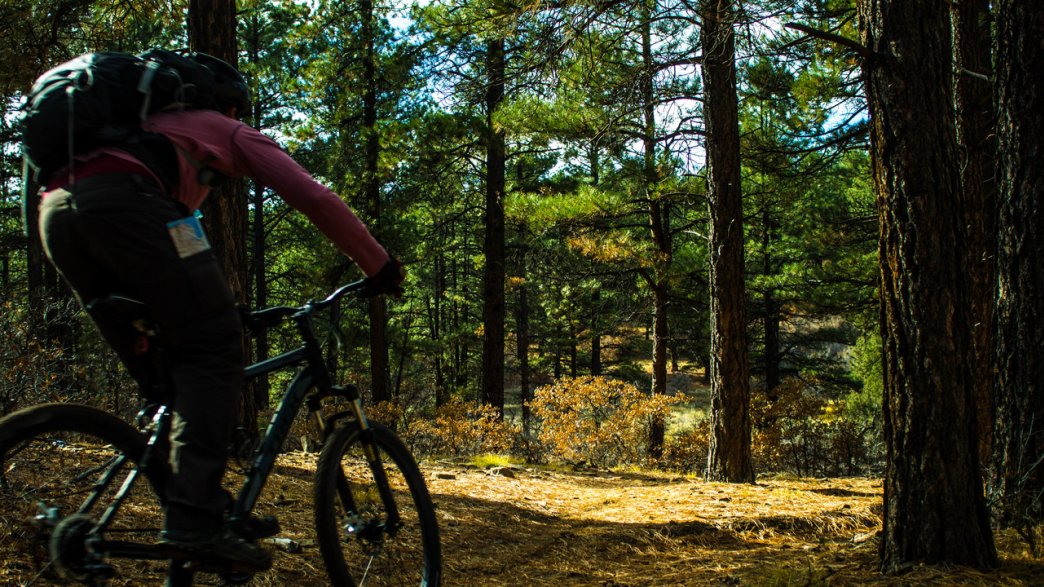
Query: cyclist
[120,219]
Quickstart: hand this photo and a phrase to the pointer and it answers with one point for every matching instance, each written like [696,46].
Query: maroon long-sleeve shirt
[237,150]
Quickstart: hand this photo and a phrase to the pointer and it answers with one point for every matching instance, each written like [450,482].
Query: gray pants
[108,234]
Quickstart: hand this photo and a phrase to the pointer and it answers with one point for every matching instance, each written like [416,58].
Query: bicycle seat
[119,310]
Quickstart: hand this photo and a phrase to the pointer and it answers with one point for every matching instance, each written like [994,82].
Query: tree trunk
[435,321]
[260,291]
[258,247]
[1020,307]
[657,427]
[35,259]
[596,334]
[572,350]
[935,511]
[659,223]
[596,297]
[493,289]
[379,362]
[522,325]
[212,30]
[729,458]
[976,119]
[5,277]
[771,319]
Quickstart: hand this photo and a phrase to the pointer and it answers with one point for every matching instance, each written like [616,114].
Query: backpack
[100,99]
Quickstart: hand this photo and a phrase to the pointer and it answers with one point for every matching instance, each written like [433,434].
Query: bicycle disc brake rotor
[368,534]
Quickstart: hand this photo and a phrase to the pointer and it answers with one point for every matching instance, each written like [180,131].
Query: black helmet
[231,89]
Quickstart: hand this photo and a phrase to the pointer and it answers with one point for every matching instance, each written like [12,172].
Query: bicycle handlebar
[269,317]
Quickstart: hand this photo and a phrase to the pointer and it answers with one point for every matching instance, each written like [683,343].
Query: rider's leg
[119,224]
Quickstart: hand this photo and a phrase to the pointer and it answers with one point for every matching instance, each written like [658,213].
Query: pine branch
[843,41]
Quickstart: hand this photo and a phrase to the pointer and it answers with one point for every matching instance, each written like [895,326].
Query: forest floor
[522,526]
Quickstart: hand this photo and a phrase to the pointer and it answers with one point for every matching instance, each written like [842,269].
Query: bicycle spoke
[360,546]
[52,474]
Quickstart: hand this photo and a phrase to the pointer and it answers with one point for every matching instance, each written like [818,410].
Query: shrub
[803,432]
[56,355]
[601,421]
[687,452]
[459,428]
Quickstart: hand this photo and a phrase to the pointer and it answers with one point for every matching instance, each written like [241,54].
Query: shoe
[219,549]
[256,527]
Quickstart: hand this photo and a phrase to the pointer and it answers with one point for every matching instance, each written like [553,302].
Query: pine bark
[212,30]
[523,340]
[258,247]
[976,119]
[35,259]
[493,309]
[1020,248]
[659,223]
[379,363]
[935,511]
[730,456]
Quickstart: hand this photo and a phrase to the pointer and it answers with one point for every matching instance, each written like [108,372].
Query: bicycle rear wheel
[60,467]
[359,547]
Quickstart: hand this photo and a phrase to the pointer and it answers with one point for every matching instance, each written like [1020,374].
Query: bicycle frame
[314,375]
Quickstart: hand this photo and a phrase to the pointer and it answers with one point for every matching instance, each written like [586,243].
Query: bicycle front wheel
[361,542]
[60,467]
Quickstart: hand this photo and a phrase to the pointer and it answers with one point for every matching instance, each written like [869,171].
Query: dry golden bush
[597,420]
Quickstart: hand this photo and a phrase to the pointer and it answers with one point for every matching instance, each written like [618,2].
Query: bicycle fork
[373,460]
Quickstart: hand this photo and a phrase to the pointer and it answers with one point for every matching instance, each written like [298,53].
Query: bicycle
[85,488]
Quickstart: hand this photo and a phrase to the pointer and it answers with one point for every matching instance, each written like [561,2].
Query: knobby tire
[367,556]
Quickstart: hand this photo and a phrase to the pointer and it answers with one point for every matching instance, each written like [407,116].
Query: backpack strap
[145,86]
[205,174]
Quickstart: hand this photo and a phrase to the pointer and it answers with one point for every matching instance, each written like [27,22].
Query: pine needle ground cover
[521,526]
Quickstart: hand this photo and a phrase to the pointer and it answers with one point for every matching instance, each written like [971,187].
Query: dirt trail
[523,527]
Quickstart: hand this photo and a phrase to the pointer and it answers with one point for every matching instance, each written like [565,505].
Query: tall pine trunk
[35,259]
[379,362]
[729,457]
[493,288]
[596,297]
[659,223]
[976,118]
[596,333]
[258,244]
[522,336]
[935,511]
[435,322]
[212,30]
[1020,307]
[260,290]
[771,319]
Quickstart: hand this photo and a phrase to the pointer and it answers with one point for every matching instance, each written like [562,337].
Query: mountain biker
[121,220]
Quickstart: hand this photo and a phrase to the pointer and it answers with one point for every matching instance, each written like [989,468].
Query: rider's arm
[238,150]
[267,162]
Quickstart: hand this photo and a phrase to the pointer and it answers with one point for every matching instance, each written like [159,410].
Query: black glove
[387,281]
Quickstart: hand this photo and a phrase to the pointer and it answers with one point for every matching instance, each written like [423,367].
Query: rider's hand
[388,280]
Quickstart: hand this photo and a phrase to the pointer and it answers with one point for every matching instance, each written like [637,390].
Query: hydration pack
[100,99]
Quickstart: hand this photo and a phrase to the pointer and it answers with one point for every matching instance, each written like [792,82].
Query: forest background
[705,237]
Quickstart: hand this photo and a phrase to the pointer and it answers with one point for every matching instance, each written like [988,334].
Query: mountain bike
[83,490]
